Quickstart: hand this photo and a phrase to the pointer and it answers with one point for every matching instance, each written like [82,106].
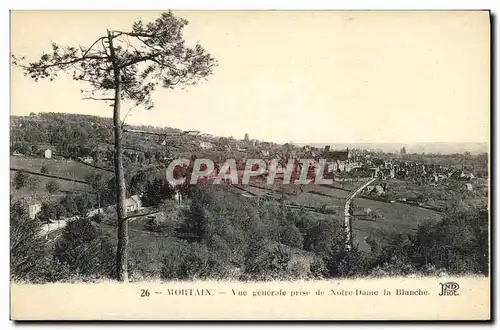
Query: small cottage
[133,204]
[33,207]
[206,145]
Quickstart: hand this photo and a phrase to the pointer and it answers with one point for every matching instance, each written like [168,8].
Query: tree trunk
[122,225]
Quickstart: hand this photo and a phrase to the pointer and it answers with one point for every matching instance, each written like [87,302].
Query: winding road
[347,215]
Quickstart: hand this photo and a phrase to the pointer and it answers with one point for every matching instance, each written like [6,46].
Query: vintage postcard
[250,165]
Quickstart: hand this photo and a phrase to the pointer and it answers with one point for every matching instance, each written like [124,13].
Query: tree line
[220,235]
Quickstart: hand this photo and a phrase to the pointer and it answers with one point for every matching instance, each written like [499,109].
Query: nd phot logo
[449,289]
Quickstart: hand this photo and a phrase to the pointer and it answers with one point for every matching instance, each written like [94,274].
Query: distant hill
[70,133]
[424,147]
[76,135]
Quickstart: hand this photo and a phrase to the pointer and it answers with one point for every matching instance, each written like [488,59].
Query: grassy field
[439,194]
[394,217]
[58,167]
[36,188]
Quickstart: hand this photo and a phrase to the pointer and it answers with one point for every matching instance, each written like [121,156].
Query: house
[375,190]
[206,145]
[379,190]
[468,186]
[88,159]
[374,171]
[467,175]
[336,155]
[33,206]
[133,203]
[48,153]
[337,160]
[387,172]
[17,153]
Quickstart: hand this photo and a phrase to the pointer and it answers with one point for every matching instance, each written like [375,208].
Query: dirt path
[347,214]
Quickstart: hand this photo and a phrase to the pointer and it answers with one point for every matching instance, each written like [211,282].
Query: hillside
[69,176]
[76,135]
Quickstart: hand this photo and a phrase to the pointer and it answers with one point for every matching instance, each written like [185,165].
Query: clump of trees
[81,252]
[21,180]
[456,245]
[84,250]
[27,247]
[219,235]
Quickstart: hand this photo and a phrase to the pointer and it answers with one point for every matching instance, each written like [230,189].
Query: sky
[304,77]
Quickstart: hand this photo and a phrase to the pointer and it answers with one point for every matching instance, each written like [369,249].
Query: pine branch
[88,50]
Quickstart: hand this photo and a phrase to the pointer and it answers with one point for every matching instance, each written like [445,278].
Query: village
[348,169]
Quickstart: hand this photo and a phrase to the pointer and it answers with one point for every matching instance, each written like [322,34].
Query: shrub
[264,262]
[97,218]
[195,223]
[20,179]
[189,261]
[47,212]
[341,262]
[320,236]
[318,268]
[153,225]
[299,268]
[27,247]
[53,270]
[290,235]
[84,250]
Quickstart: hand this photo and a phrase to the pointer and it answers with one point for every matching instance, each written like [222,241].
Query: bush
[341,262]
[47,212]
[299,268]
[195,223]
[84,250]
[97,218]
[52,270]
[27,247]
[318,268]
[20,179]
[153,225]
[188,262]
[156,192]
[320,236]
[166,222]
[264,262]
[459,243]
[290,235]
